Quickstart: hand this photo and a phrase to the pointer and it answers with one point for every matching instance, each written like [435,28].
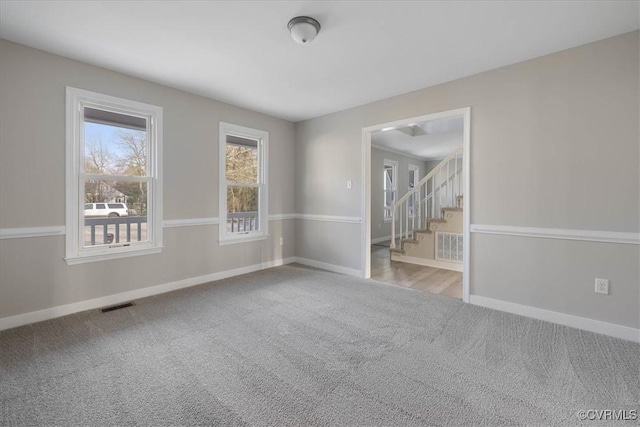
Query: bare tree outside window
[241,168]
[124,153]
[98,159]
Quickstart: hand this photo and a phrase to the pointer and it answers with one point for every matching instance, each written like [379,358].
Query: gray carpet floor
[298,346]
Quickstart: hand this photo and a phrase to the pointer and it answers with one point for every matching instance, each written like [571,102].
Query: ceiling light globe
[303,29]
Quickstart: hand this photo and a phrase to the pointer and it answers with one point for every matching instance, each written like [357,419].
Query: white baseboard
[380,239]
[329,267]
[63,310]
[436,263]
[597,326]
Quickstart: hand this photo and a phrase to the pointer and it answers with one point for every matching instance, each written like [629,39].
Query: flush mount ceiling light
[303,29]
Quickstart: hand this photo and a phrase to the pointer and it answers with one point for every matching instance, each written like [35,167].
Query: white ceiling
[432,140]
[241,52]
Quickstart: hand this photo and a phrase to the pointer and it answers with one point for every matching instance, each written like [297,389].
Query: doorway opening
[416,201]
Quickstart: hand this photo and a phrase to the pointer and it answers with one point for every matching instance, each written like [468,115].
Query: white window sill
[242,239]
[105,256]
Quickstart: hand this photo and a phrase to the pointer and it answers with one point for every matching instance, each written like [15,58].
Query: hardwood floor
[426,279]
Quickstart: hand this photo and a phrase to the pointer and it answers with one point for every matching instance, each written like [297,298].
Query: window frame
[262,138]
[394,191]
[76,101]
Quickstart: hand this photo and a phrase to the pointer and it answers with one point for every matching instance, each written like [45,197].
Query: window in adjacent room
[243,184]
[390,179]
[114,185]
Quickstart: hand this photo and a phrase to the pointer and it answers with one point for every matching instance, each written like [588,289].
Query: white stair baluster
[393,226]
[413,216]
[455,180]
[446,196]
[433,196]
[400,225]
[406,225]
[419,201]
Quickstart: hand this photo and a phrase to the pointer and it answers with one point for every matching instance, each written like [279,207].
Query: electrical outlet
[602,286]
[348,184]
[281,241]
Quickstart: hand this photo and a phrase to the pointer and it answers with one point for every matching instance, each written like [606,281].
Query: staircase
[429,218]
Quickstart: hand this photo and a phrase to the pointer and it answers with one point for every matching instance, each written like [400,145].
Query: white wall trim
[559,233]
[597,326]
[125,252]
[22,232]
[507,230]
[63,310]
[329,267]
[380,239]
[330,218]
[214,220]
[168,223]
[59,230]
[280,217]
[242,239]
[436,263]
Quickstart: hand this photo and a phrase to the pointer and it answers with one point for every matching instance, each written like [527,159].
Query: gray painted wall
[550,137]
[380,228]
[33,274]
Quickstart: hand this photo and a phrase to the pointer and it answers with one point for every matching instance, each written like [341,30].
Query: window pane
[242,209]
[242,199]
[114,144]
[121,219]
[117,196]
[388,198]
[242,163]
[100,231]
[388,178]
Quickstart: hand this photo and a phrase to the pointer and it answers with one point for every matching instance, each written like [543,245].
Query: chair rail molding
[59,230]
[330,218]
[24,232]
[189,222]
[627,238]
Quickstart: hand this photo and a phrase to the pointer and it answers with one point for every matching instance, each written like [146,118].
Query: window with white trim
[114,181]
[243,184]
[389,186]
